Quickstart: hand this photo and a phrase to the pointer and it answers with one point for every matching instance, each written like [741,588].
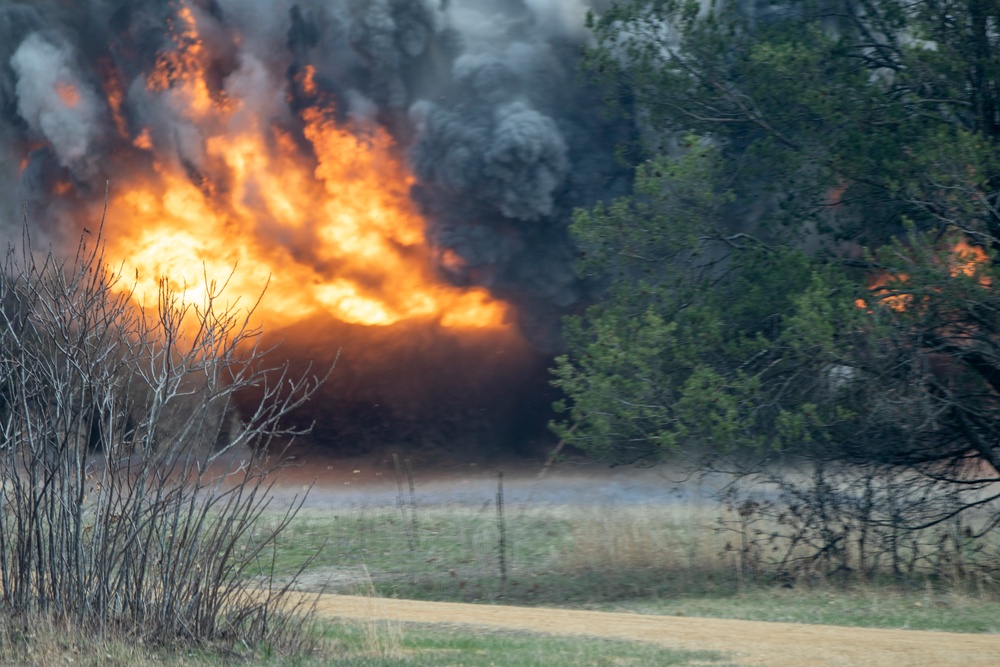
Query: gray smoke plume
[56,104]
[508,147]
[397,39]
[482,95]
[512,156]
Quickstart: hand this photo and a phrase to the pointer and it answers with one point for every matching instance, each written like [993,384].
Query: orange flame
[309,80]
[181,69]
[143,140]
[329,229]
[114,90]
[965,259]
[878,286]
[68,93]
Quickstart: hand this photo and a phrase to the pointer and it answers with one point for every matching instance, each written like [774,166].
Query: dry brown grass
[645,537]
[382,634]
[44,642]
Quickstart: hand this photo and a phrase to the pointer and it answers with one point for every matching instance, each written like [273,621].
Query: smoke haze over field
[385,162]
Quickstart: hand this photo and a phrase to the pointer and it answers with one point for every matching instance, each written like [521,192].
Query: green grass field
[351,644]
[646,559]
[656,560]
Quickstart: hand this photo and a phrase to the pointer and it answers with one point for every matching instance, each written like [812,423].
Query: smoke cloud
[55,103]
[482,95]
[481,99]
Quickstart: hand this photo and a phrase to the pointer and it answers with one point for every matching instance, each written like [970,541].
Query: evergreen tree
[807,262]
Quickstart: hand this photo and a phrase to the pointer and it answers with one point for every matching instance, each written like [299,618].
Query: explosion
[339,195]
[392,180]
[380,161]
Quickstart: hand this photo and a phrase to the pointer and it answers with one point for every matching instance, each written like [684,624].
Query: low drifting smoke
[223,126]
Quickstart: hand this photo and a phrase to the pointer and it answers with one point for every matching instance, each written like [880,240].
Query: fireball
[315,211]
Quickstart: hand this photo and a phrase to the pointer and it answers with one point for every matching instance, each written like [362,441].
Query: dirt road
[747,642]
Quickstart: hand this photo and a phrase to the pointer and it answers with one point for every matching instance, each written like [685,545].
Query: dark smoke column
[505,143]
[503,138]
[481,97]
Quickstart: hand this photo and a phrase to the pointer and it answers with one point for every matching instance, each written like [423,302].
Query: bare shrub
[130,497]
[869,520]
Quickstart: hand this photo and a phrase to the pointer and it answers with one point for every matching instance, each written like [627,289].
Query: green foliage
[714,362]
[742,311]
[635,235]
[813,96]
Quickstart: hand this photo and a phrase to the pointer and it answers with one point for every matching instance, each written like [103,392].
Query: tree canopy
[806,263]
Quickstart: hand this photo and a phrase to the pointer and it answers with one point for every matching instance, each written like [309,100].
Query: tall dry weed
[382,635]
[641,538]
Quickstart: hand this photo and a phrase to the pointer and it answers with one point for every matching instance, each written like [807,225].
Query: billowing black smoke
[483,96]
[503,138]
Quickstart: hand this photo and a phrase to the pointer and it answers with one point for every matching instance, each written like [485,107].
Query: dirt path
[747,642]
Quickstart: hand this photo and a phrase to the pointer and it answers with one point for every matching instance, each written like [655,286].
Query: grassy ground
[374,644]
[645,559]
[438,646]
[658,560]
